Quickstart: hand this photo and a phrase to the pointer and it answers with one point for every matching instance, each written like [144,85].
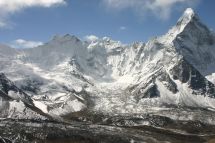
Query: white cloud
[91,38]
[9,7]
[122,28]
[20,43]
[2,24]
[160,8]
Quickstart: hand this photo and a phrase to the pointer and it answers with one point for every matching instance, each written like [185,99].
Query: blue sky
[27,23]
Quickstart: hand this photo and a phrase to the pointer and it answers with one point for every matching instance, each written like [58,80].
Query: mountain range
[66,75]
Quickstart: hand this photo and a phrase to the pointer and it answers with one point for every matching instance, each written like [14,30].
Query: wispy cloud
[160,8]
[20,43]
[10,7]
[122,28]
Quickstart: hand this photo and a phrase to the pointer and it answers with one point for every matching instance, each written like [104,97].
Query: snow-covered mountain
[67,75]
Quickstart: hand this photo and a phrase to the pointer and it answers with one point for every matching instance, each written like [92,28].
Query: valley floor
[95,127]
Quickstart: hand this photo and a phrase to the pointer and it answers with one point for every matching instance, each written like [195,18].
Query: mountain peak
[193,40]
[189,11]
[187,17]
[65,38]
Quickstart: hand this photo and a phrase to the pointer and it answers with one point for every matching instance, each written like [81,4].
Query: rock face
[186,73]
[67,75]
[8,88]
[15,103]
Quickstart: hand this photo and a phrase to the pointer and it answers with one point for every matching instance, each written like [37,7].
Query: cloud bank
[91,38]
[20,43]
[160,8]
[9,7]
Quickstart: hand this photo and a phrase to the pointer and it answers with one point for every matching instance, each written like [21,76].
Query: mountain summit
[68,75]
[187,17]
[194,41]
